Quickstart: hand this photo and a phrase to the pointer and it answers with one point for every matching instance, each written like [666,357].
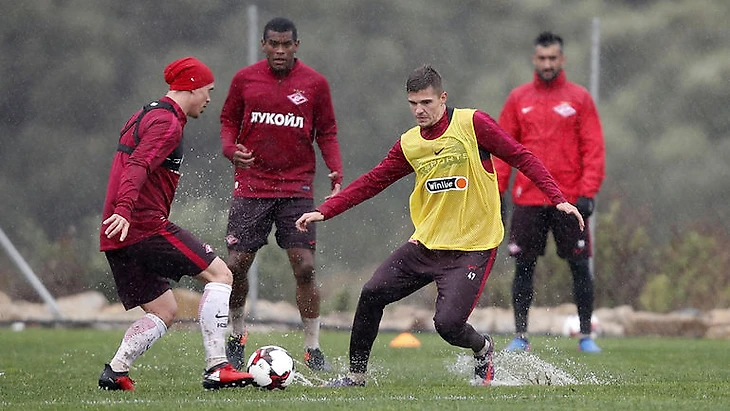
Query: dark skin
[279,49]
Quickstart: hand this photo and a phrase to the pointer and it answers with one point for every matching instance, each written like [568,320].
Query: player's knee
[446,326]
[448,330]
[304,274]
[371,295]
[217,272]
[167,314]
[239,265]
[580,267]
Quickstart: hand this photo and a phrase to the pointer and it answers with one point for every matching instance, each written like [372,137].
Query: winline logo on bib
[437,185]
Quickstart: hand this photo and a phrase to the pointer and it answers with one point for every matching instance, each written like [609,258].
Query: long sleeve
[391,169]
[508,122]
[495,140]
[326,132]
[592,150]
[232,117]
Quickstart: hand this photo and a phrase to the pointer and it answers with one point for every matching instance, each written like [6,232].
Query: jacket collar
[546,85]
[271,72]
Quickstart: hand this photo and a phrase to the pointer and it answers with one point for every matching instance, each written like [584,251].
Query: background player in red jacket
[275,110]
[144,249]
[558,121]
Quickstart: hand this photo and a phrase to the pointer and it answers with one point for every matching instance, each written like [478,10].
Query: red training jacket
[279,119]
[559,123]
[394,166]
[139,189]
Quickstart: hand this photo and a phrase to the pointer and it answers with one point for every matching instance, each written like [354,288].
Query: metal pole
[253,50]
[30,275]
[594,82]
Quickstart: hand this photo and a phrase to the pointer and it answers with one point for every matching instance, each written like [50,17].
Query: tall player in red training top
[275,110]
[145,250]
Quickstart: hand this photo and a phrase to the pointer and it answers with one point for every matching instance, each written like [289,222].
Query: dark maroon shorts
[530,227]
[460,277]
[250,221]
[142,271]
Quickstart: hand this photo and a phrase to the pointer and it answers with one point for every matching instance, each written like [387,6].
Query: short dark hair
[281,25]
[547,38]
[423,77]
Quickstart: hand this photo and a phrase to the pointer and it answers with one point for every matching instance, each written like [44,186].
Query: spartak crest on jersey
[297,98]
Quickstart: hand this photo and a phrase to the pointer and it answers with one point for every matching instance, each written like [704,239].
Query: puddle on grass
[524,368]
[511,369]
[340,365]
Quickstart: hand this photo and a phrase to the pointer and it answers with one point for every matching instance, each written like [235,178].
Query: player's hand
[306,218]
[335,189]
[242,157]
[334,177]
[568,208]
[117,225]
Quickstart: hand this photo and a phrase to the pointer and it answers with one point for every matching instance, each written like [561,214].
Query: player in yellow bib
[455,208]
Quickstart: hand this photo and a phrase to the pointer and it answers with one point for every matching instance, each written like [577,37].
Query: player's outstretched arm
[306,218]
[570,209]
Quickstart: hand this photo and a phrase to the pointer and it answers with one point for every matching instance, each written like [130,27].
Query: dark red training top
[279,119]
[139,189]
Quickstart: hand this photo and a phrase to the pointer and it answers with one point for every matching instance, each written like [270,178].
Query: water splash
[524,368]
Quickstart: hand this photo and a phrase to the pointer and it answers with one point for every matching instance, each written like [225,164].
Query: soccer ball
[571,326]
[271,367]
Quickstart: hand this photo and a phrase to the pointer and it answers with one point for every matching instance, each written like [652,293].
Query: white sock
[139,338]
[213,319]
[236,320]
[311,332]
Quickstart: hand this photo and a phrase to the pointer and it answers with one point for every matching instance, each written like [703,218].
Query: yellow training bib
[455,201]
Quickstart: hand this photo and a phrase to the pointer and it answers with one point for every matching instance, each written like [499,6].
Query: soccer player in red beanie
[144,249]
[275,111]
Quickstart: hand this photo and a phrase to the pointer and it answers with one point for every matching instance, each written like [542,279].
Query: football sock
[139,338]
[311,332]
[213,318]
[236,320]
[484,350]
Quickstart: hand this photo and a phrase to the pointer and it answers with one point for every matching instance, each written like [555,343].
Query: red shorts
[250,221]
[143,270]
[530,227]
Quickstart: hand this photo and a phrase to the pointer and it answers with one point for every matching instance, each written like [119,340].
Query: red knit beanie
[188,74]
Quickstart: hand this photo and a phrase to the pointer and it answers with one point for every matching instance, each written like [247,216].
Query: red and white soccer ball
[571,326]
[271,367]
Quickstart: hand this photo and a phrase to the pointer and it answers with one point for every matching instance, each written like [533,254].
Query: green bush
[623,256]
[691,272]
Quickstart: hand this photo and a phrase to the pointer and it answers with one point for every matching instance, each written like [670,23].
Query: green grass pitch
[57,369]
